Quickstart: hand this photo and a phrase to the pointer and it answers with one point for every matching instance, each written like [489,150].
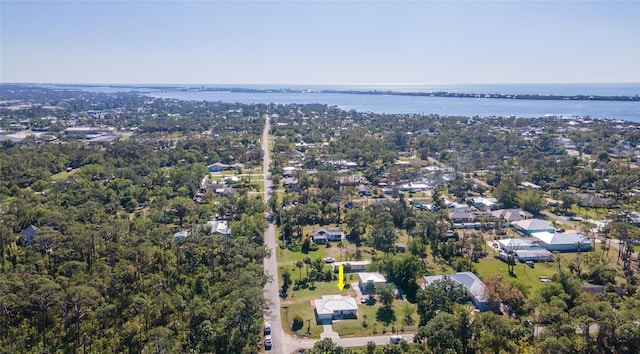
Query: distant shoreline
[425,94]
[348,91]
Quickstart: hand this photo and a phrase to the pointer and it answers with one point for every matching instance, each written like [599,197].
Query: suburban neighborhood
[306,226]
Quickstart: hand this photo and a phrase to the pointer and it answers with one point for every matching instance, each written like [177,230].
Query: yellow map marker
[340,277]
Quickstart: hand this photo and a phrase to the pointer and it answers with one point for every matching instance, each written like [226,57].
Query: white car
[267,341]
[397,339]
[329,260]
[267,328]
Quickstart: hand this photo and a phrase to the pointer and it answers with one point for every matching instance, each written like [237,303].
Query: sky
[319,42]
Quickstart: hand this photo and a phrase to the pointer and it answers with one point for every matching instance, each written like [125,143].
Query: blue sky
[319,42]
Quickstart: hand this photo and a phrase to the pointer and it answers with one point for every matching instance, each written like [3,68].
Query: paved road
[362,341]
[270,265]
[282,342]
[560,219]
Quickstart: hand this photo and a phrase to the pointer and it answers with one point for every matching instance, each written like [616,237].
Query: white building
[220,227]
[374,278]
[352,266]
[562,242]
[524,250]
[333,307]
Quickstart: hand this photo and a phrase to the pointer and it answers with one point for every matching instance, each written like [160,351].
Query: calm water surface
[444,106]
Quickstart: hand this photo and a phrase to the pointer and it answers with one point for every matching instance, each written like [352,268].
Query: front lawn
[374,320]
[299,303]
[523,274]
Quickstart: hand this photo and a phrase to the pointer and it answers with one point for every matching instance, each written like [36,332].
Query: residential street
[282,342]
[280,338]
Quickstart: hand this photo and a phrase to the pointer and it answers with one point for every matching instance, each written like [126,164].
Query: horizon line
[317,84]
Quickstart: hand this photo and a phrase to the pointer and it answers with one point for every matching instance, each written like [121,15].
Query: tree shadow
[385,315]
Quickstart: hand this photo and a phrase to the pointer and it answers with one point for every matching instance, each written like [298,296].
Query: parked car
[267,342]
[530,264]
[329,259]
[397,339]
[267,328]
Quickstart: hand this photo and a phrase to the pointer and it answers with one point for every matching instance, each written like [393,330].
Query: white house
[217,167]
[530,185]
[414,187]
[473,285]
[321,236]
[562,242]
[288,171]
[220,227]
[180,236]
[333,307]
[373,278]
[489,203]
[514,244]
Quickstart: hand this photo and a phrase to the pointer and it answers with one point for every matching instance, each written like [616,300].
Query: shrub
[293,247]
[298,322]
[306,245]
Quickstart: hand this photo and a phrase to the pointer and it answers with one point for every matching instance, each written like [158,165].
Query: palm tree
[299,265]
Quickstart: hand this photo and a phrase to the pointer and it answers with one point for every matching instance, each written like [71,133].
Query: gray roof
[335,231]
[560,238]
[220,227]
[470,281]
[511,214]
[29,232]
[541,254]
[335,303]
[473,284]
[461,215]
[511,244]
[533,224]
[592,199]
